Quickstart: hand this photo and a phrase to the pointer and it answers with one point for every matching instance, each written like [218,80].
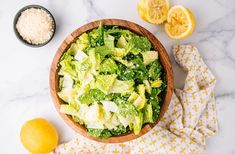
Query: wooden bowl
[164,59]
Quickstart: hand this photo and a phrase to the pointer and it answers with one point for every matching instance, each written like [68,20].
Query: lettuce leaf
[68,66]
[108,66]
[91,96]
[95,61]
[80,55]
[118,52]
[149,57]
[96,36]
[155,102]
[155,70]
[109,106]
[121,43]
[106,82]
[123,87]
[105,133]
[68,109]
[103,51]
[140,101]
[156,83]
[141,43]
[147,86]
[100,133]
[109,41]
[120,129]
[117,33]
[148,114]
[94,116]
[138,123]
[123,61]
[138,44]
[117,98]
[83,42]
[127,109]
[125,73]
[141,72]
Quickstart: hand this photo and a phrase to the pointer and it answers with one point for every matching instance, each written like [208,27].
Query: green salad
[111,81]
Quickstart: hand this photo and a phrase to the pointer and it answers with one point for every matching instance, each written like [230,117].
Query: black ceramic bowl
[18,14]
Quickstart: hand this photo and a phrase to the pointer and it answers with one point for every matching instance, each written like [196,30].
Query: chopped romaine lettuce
[83,42]
[108,66]
[120,129]
[105,133]
[155,70]
[148,114]
[91,96]
[72,50]
[95,61]
[121,43]
[95,115]
[96,36]
[147,86]
[133,97]
[156,83]
[149,57]
[154,101]
[109,106]
[138,44]
[106,83]
[139,102]
[127,109]
[67,83]
[85,65]
[111,82]
[68,67]
[123,87]
[138,123]
[80,55]
[65,95]
[124,62]
[117,98]
[109,41]
[117,33]
[119,52]
[113,122]
[125,73]
[68,109]
[126,121]
[100,133]
[140,70]
[103,51]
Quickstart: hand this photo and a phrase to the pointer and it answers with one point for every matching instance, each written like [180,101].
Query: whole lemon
[39,136]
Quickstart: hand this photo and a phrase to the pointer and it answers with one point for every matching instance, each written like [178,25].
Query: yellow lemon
[141,8]
[153,11]
[180,22]
[39,136]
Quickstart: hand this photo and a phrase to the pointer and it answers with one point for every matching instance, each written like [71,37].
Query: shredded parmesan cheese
[35,26]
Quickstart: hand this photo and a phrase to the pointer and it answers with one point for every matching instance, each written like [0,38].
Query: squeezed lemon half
[180,22]
[153,11]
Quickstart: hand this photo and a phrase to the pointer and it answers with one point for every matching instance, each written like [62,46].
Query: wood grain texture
[164,59]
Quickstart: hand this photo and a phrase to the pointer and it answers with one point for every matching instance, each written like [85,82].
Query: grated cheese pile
[36,26]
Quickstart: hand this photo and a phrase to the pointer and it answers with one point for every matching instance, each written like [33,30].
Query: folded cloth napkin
[188,122]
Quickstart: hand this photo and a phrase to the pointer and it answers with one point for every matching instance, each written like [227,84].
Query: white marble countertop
[24,77]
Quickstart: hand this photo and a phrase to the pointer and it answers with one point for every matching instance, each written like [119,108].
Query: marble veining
[24,77]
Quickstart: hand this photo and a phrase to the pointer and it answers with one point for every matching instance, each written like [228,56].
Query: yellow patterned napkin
[190,118]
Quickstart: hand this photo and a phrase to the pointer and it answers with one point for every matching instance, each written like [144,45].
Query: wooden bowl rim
[126,25]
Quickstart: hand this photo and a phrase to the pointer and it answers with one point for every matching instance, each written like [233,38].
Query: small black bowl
[18,14]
